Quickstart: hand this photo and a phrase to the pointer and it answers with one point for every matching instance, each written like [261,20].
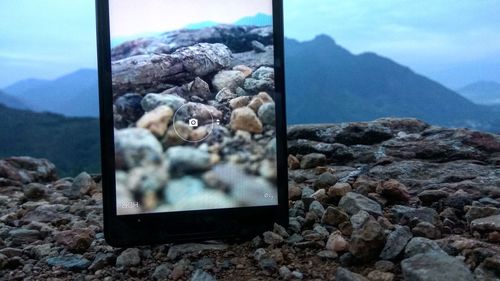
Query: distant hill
[482,92]
[259,19]
[75,94]
[326,83]
[70,143]
[11,101]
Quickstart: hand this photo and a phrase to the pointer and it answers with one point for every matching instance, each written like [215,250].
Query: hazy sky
[48,38]
[165,15]
[433,37]
[45,38]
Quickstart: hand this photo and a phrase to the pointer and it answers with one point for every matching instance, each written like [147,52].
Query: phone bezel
[153,228]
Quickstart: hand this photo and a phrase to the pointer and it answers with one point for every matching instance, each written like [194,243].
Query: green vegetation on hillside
[72,144]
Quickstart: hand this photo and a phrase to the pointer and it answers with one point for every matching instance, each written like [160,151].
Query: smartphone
[192,110]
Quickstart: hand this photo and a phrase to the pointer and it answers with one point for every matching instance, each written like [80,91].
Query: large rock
[238,38]
[396,242]
[245,119]
[367,241]
[228,79]
[136,147]
[152,101]
[27,169]
[184,159]
[353,202]
[491,223]
[157,72]
[434,266]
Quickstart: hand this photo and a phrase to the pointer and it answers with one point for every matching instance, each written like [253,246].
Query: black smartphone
[192,110]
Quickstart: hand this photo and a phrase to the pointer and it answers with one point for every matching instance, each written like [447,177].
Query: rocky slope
[393,199]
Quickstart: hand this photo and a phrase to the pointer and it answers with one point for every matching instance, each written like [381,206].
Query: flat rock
[353,202]
[177,250]
[434,266]
[396,242]
[491,223]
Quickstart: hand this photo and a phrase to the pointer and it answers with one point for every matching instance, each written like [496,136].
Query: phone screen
[193,104]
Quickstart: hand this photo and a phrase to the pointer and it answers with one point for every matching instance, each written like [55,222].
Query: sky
[454,42]
[45,39]
[442,39]
[166,15]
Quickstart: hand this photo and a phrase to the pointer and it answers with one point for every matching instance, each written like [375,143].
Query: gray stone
[185,159]
[267,113]
[272,238]
[317,209]
[434,266]
[312,160]
[396,242]
[136,147]
[334,216]
[73,263]
[359,219]
[229,79]
[180,249]
[152,101]
[406,215]
[367,241]
[421,245]
[343,274]
[491,223]
[183,188]
[34,191]
[161,272]
[129,257]
[200,275]
[353,202]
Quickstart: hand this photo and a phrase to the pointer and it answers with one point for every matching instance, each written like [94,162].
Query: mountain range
[326,83]
[74,94]
[482,92]
[69,142]
[11,101]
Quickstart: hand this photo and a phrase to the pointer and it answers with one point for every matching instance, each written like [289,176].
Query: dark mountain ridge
[74,94]
[327,83]
[71,143]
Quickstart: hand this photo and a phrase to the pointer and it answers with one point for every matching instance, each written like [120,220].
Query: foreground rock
[371,216]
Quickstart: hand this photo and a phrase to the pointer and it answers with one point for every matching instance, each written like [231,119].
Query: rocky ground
[393,199]
[221,76]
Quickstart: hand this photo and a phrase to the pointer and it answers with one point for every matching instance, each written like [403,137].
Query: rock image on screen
[193,104]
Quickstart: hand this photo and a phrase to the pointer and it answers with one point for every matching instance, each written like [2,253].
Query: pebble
[267,113]
[200,275]
[152,101]
[34,191]
[185,159]
[156,121]
[427,230]
[162,272]
[325,180]
[239,102]
[334,216]
[312,160]
[245,119]
[434,266]
[129,257]
[421,245]
[491,223]
[396,242]
[73,263]
[136,147]
[377,275]
[337,243]
[272,238]
[352,203]
[76,240]
[367,241]
[343,274]
[230,79]
[430,196]
[394,191]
